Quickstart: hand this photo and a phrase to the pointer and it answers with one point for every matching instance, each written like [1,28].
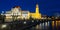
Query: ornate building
[36,15]
[16,14]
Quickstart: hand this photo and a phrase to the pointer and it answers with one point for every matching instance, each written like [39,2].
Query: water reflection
[43,26]
[50,25]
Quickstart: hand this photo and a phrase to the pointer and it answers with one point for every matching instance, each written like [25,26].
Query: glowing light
[32,21]
[37,26]
[4,26]
[46,23]
[53,23]
[25,22]
[43,24]
[40,24]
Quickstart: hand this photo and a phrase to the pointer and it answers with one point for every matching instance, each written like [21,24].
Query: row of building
[17,13]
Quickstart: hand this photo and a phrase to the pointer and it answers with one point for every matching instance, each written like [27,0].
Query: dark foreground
[31,25]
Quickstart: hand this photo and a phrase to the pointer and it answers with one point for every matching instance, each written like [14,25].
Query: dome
[17,7]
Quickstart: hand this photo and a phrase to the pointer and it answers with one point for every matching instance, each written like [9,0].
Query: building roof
[16,7]
[25,12]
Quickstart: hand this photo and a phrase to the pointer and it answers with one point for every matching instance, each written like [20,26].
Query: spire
[37,8]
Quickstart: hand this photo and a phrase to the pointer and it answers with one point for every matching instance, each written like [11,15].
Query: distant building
[36,15]
[56,15]
[16,14]
[25,14]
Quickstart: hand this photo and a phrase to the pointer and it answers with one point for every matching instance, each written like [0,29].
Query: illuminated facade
[36,15]
[14,14]
[25,15]
[17,13]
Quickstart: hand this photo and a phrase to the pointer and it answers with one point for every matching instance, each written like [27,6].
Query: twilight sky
[48,7]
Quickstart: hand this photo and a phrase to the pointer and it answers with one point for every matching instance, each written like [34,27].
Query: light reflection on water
[50,25]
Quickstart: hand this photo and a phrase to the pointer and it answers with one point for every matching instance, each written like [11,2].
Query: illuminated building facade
[36,15]
[16,14]
[25,15]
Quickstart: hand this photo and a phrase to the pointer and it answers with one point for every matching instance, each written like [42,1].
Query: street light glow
[32,21]
[4,26]
[25,22]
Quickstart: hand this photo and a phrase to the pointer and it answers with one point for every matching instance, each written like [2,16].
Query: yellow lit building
[36,15]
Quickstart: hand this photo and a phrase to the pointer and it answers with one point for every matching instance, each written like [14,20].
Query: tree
[2,18]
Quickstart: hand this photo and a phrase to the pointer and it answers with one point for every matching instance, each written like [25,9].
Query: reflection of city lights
[4,26]
[56,23]
[53,23]
[59,21]
[43,24]
[40,24]
[32,21]
[37,26]
[37,20]
[46,23]
[25,22]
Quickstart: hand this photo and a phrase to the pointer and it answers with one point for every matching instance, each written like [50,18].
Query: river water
[50,25]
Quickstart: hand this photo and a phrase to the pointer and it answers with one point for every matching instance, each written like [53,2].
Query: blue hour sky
[48,7]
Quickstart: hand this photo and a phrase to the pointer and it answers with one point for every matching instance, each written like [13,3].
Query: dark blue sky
[48,7]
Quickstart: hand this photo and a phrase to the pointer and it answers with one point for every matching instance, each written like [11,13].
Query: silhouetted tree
[2,18]
[31,18]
